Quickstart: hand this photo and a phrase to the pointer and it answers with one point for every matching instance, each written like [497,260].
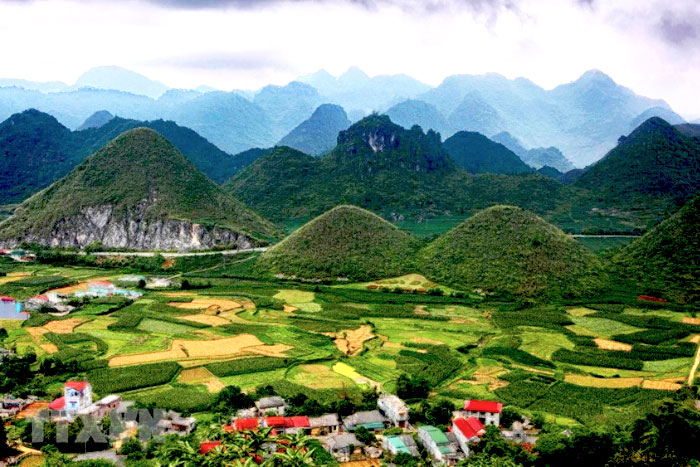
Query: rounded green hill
[506,249]
[346,241]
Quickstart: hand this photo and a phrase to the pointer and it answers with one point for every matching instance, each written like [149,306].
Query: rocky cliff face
[133,230]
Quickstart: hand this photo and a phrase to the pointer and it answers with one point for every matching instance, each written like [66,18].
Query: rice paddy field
[573,363]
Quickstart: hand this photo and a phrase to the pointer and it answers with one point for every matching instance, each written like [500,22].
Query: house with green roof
[442,449]
[400,444]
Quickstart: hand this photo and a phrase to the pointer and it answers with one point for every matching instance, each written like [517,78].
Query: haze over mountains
[582,119]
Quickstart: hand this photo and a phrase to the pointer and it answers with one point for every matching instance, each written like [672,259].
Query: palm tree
[177,453]
[297,440]
[293,457]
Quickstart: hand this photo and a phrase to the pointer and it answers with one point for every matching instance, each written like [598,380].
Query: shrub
[109,380]
[243,366]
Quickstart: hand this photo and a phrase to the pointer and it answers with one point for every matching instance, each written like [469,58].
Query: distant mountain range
[582,119]
[319,133]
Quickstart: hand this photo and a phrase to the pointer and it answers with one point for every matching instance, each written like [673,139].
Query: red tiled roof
[77,385]
[208,446]
[229,428]
[58,404]
[470,427]
[245,423]
[277,422]
[298,422]
[6,298]
[483,406]
[39,297]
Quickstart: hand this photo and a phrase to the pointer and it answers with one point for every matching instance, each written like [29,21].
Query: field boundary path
[694,368]
[147,254]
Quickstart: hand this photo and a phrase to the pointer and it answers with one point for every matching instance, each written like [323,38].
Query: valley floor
[595,362]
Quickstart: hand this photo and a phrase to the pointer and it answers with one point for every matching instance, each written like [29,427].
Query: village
[366,438]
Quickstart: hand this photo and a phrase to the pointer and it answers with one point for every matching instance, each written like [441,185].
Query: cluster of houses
[340,439]
[19,255]
[77,401]
[95,289]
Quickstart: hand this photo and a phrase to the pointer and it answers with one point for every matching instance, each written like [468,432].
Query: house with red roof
[467,431]
[77,395]
[243,424]
[488,412]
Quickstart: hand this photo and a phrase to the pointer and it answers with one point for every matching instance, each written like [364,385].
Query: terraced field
[572,363]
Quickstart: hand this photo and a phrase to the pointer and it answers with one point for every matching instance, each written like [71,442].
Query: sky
[651,46]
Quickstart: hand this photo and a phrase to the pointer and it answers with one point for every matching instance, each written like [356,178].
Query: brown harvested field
[695,339]
[202,349]
[421,311]
[366,463]
[695,321]
[661,385]
[64,326]
[209,304]
[591,381]
[214,385]
[290,308]
[193,375]
[32,410]
[488,375]
[70,290]
[206,319]
[606,344]
[14,276]
[350,341]
[36,334]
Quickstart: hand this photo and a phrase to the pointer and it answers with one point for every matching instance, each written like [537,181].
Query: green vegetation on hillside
[667,259]
[344,242]
[139,167]
[507,249]
[478,154]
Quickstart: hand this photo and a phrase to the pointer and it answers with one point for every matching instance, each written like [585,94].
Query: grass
[163,327]
[604,244]
[603,327]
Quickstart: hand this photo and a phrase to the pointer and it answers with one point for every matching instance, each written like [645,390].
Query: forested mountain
[478,154]
[137,192]
[387,169]
[537,157]
[36,150]
[319,133]
[656,165]
[506,249]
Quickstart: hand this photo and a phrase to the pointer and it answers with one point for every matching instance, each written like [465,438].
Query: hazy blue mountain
[287,106]
[360,94]
[48,86]
[511,142]
[540,157]
[583,118]
[537,157]
[319,133]
[120,79]
[228,120]
[414,112]
[478,154]
[96,120]
[174,97]
[475,114]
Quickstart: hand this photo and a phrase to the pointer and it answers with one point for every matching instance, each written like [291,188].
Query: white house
[77,395]
[394,409]
[488,412]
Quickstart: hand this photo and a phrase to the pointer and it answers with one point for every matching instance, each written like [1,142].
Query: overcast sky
[651,46]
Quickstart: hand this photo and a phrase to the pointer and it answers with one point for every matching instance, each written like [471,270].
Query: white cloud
[647,46]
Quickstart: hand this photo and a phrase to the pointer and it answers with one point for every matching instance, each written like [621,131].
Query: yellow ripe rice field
[180,349]
[606,344]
